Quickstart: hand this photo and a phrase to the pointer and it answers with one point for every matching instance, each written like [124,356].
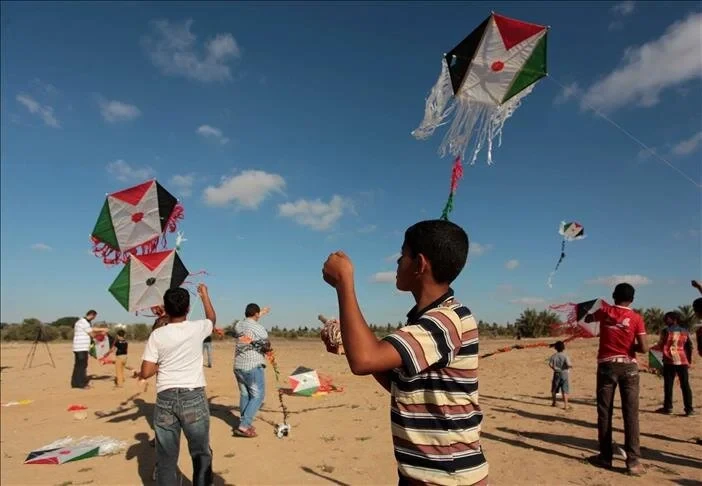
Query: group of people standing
[429,367]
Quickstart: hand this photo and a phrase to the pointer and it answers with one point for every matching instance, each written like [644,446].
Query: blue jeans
[252,390]
[207,348]
[186,409]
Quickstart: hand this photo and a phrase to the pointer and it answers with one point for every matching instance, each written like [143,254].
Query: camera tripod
[30,357]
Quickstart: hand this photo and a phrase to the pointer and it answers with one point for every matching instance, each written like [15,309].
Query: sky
[285,130]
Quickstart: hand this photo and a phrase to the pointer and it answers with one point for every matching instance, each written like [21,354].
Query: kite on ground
[570,231]
[134,221]
[307,382]
[68,450]
[483,81]
[145,278]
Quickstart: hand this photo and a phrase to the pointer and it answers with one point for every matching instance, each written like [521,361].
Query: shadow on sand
[315,473]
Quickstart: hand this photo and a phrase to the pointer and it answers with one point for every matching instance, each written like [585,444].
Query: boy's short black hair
[560,346]
[121,333]
[252,310]
[674,316]
[623,292]
[697,306]
[443,243]
[91,312]
[176,302]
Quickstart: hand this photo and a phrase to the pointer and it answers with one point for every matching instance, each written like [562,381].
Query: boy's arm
[641,344]
[207,304]
[364,352]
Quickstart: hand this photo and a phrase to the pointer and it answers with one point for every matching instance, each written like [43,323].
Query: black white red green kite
[134,221]
[570,231]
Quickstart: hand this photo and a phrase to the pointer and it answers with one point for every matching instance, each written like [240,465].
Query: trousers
[626,376]
[669,373]
[80,369]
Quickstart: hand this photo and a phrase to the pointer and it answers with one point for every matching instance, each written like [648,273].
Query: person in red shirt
[622,335]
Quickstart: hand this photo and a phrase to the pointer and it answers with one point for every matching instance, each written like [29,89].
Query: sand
[340,438]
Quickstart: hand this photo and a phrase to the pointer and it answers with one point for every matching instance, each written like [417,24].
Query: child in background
[560,364]
[119,347]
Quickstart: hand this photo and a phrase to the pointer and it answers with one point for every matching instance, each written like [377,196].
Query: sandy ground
[341,438]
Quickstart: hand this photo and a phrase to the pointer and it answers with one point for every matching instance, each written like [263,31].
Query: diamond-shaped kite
[145,278]
[133,221]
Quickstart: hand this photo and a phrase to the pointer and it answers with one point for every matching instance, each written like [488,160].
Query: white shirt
[81,338]
[177,349]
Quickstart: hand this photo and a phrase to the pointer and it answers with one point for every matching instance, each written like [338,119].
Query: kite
[100,346]
[571,231]
[655,358]
[68,450]
[482,83]
[575,324]
[145,278]
[307,382]
[134,221]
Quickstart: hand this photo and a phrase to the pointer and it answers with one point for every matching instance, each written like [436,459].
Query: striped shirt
[677,346]
[249,333]
[435,415]
[81,338]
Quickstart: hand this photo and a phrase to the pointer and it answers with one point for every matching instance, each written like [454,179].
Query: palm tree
[654,319]
[687,315]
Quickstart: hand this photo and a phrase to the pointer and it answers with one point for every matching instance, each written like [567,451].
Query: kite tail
[435,109]
[113,256]
[456,175]
[558,264]
[478,123]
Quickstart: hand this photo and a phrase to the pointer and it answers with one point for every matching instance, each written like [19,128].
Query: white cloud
[208,131]
[394,257]
[113,111]
[45,88]
[477,249]
[528,301]
[384,277]
[41,247]
[127,173]
[623,8]
[646,70]
[686,147]
[316,214]
[368,228]
[174,49]
[511,264]
[691,233]
[183,184]
[567,92]
[615,25]
[45,112]
[247,190]
[612,280]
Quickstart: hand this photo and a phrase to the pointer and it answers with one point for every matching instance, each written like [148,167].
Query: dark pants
[183,409]
[80,369]
[669,373]
[626,376]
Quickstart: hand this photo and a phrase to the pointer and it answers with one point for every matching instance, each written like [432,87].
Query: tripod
[40,337]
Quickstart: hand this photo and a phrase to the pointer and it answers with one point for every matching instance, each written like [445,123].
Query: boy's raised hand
[202,290]
[337,268]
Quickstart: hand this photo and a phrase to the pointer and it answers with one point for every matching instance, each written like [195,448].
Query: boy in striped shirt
[429,366]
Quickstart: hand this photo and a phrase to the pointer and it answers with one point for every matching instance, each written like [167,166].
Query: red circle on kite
[497,66]
[64,452]
[136,217]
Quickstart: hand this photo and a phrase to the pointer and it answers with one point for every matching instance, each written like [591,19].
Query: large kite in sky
[482,82]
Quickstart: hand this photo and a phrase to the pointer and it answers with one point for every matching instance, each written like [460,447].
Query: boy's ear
[423,265]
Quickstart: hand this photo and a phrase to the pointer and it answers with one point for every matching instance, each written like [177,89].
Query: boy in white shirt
[174,354]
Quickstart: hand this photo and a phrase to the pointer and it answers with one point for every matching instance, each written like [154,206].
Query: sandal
[245,433]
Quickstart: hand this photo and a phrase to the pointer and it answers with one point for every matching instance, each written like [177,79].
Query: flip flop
[245,433]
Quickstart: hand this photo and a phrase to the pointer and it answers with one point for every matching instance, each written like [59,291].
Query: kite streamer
[570,231]
[456,175]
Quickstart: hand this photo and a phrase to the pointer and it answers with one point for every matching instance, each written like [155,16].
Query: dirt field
[341,438]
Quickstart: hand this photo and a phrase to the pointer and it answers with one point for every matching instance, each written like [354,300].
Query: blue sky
[286,132]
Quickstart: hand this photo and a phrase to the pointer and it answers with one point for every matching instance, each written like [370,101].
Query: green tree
[654,319]
[65,321]
[687,314]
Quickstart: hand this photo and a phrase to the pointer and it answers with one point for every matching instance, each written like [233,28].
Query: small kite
[655,358]
[307,382]
[134,221]
[100,346]
[145,278]
[483,81]
[570,231]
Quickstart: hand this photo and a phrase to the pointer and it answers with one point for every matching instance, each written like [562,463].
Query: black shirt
[121,347]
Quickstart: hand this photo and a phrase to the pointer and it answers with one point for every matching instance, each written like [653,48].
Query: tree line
[530,324]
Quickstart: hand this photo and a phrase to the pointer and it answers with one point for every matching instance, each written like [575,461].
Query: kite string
[629,134]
